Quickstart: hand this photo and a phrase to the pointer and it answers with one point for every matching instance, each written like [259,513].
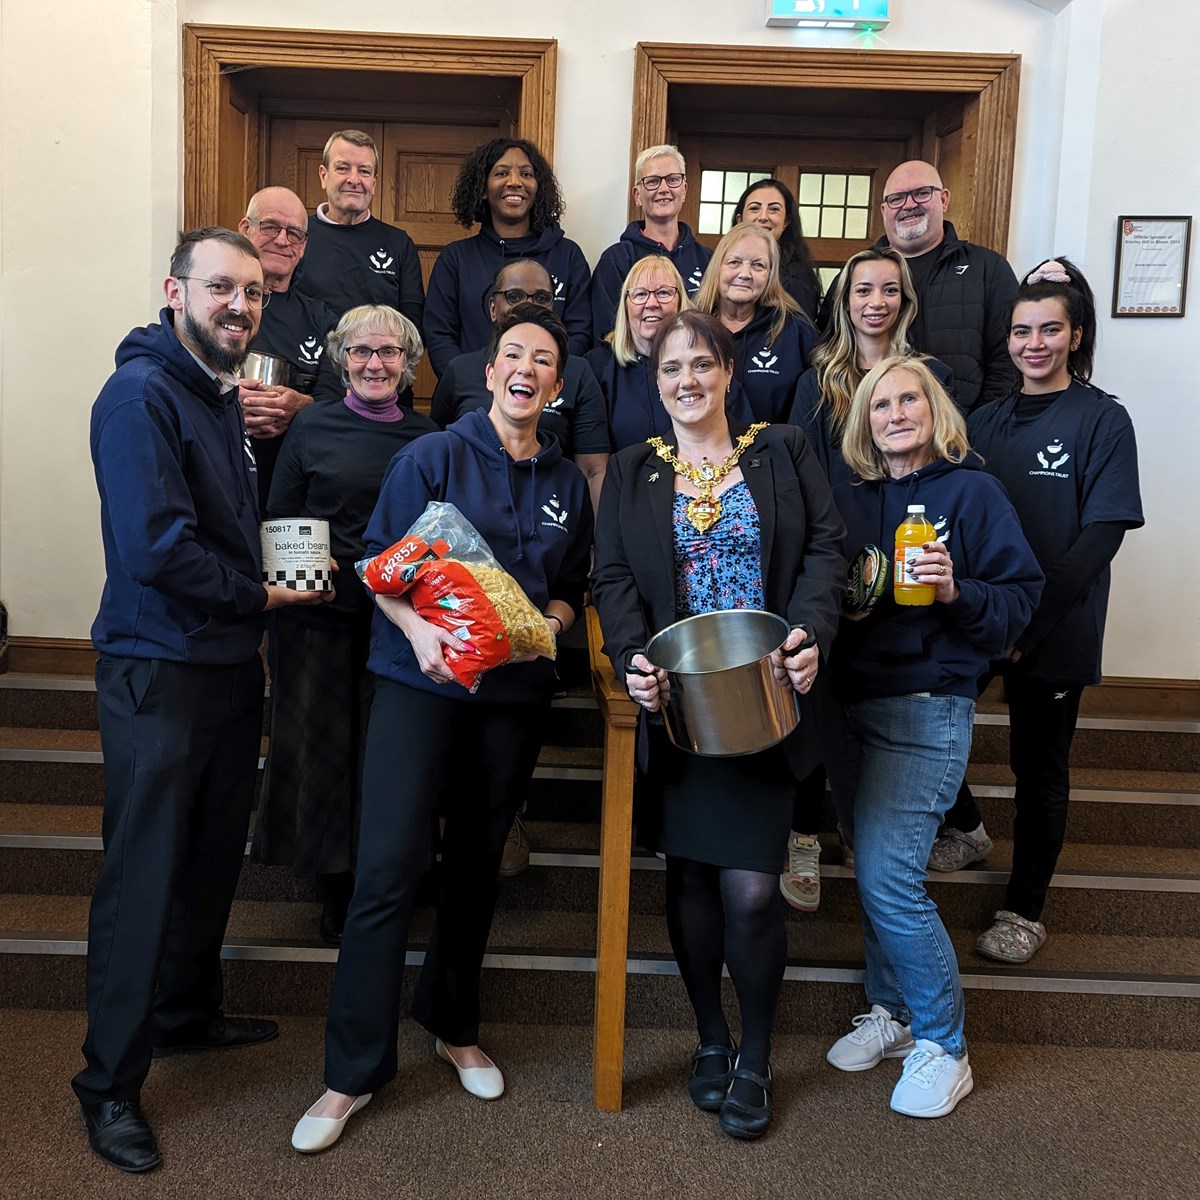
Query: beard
[910,233]
[223,359]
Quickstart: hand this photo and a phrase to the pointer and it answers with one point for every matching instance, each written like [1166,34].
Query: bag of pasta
[453,580]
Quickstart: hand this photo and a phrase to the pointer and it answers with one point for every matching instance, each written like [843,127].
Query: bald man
[293,327]
[964,292]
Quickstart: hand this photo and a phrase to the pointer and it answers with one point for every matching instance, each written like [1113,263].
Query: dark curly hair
[469,200]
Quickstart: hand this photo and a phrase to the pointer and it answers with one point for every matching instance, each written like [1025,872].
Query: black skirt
[320,699]
[729,812]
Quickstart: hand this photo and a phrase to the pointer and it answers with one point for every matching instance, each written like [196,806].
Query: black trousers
[1041,726]
[181,746]
[422,749]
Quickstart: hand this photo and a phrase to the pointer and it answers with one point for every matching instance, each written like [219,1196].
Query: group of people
[715,451]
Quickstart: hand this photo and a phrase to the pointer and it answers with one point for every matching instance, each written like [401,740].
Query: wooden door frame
[211,51]
[992,80]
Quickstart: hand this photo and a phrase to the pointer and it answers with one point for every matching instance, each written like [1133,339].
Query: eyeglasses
[920,195]
[664,295]
[295,237]
[224,290]
[362,354]
[653,182]
[542,299]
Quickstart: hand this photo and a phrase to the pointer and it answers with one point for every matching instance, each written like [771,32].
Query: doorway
[259,105]
[832,125]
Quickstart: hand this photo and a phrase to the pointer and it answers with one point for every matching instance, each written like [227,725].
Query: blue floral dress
[729,812]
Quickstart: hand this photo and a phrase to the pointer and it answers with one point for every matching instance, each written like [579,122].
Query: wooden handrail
[620,715]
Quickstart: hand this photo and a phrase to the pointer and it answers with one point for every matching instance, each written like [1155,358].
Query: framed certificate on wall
[1152,264]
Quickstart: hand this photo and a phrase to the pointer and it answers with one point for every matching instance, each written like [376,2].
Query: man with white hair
[659,190]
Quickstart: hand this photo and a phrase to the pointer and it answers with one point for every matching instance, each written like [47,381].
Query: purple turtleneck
[374,410]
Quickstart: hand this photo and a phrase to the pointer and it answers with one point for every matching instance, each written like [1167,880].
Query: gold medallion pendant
[704,511]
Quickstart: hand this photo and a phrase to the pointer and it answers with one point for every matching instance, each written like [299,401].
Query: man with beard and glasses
[964,292]
[293,328]
[179,684]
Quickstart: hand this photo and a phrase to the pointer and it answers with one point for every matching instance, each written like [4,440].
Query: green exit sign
[828,14]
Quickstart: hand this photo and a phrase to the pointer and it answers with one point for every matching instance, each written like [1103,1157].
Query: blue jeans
[913,757]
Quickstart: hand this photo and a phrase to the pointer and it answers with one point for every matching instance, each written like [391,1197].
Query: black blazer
[802,537]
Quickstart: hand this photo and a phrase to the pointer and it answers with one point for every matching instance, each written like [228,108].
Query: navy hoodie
[940,648]
[456,309]
[688,255]
[535,515]
[768,371]
[178,509]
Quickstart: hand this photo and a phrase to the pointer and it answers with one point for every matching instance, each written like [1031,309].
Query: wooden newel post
[620,715]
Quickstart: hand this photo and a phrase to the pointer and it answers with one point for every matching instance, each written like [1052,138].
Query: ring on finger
[942,570]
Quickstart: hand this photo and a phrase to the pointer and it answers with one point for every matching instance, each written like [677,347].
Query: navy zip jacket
[768,373]
[940,648]
[456,309]
[534,514]
[178,509]
[688,255]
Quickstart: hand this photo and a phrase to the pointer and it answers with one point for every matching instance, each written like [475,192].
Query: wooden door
[418,164]
[837,181]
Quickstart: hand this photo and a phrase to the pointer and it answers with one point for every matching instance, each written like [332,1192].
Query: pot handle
[630,669]
[810,638]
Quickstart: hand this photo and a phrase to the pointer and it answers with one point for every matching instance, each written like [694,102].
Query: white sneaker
[933,1082]
[876,1035]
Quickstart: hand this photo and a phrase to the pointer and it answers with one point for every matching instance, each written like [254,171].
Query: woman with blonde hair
[872,309]
[772,337]
[652,291]
[907,675]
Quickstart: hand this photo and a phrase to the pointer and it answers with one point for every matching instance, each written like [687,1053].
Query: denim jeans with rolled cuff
[914,753]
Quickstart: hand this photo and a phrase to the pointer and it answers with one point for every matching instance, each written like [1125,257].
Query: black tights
[720,915]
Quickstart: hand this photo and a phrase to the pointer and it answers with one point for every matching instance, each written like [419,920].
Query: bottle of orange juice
[912,534]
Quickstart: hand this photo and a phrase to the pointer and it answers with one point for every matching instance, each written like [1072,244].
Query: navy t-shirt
[1065,465]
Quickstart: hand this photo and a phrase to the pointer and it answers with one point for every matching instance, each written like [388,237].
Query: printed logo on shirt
[557,514]
[1053,457]
[251,465]
[381,262]
[961,270]
[694,280]
[559,292]
[765,361]
[310,351]
[556,403]
[942,528]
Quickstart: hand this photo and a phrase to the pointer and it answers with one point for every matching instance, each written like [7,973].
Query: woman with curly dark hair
[509,189]
[769,203]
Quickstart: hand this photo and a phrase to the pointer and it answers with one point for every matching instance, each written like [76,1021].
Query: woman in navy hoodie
[508,187]
[430,740]
[907,676]
[771,335]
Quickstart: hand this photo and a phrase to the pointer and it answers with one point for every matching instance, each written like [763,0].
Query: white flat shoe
[485,1082]
[319,1133]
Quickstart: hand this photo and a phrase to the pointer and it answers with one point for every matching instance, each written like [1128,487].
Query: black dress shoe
[333,922]
[120,1135]
[707,1091]
[742,1120]
[218,1033]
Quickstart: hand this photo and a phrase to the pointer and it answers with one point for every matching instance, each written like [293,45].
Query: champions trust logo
[381,262]
[764,362]
[557,514]
[1050,459]
[310,351]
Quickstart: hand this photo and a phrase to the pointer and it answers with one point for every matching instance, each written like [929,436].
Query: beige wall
[90,196]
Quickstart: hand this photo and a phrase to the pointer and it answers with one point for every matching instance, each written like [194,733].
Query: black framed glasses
[653,182]
[272,229]
[362,354]
[224,290]
[543,298]
[664,295]
[920,195]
